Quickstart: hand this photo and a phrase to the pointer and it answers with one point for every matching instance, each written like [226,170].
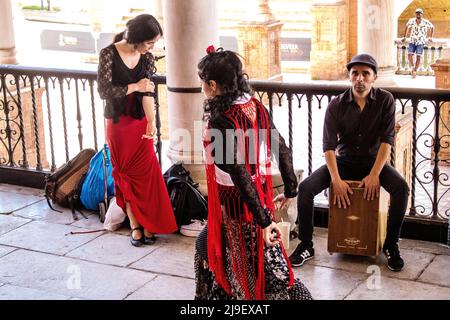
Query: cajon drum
[361,228]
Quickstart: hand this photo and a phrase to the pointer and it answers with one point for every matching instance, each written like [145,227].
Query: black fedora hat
[365,59]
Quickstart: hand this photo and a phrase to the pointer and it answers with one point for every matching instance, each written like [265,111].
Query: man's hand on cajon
[341,190]
[371,185]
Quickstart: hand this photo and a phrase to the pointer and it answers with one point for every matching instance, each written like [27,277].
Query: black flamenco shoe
[148,240]
[136,242]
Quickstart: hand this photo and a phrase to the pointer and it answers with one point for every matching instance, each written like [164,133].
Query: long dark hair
[225,68]
[139,29]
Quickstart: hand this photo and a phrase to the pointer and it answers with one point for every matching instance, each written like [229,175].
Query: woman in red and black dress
[239,254]
[124,72]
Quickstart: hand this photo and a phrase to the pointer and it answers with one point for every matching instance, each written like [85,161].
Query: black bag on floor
[187,201]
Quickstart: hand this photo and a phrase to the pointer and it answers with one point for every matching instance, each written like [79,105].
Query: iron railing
[430,149]
[49,115]
[56,84]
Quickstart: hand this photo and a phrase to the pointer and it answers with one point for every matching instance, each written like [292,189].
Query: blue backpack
[93,195]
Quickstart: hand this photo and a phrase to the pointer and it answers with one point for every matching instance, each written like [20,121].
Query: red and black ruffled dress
[136,171]
[231,259]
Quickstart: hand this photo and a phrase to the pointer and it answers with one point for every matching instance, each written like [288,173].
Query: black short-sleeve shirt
[355,133]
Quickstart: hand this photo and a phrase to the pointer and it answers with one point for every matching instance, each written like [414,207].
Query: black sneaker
[301,254]
[395,262]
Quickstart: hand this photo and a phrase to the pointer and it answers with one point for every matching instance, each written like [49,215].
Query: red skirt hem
[137,175]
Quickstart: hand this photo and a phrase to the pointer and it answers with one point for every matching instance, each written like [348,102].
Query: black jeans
[352,169]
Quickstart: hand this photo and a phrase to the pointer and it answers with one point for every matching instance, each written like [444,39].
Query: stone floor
[41,259]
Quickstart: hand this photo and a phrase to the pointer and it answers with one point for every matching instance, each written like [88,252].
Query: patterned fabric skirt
[276,271]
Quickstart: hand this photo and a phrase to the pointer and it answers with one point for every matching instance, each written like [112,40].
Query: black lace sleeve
[150,70]
[284,160]
[104,77]
[238,173]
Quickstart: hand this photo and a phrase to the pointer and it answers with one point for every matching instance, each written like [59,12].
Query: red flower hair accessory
[210,49]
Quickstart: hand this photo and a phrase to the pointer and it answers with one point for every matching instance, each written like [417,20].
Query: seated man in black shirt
[358,135]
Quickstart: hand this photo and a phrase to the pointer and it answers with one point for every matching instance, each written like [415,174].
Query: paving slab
[70,277]
[10,292]
[21,190]
[438,272]
[5,250]
[396,289]
[124,230]
[113,249]
[175,256]
[320,232]
[166,288]
[425,246]
[47,237]
[9,223]
[415,261]
[41,211]
[328,284]
[92,222]
[110,268]
[177,238]
[10,201]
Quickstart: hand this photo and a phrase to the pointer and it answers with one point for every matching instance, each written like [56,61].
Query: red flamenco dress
[136,171]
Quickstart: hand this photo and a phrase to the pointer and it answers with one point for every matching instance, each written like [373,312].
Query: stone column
[105,17]
[7,43]
[441,70]
[328,40]
[403,143]
[97,12]
[377,30]
[352,23]
[259,41]
[157,10]
[190,27]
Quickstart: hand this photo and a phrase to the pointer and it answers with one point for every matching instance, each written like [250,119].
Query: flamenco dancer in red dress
[123,82]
